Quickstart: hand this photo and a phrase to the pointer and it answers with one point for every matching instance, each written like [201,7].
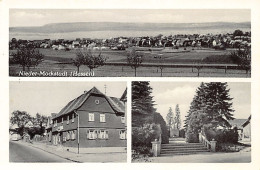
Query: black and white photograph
[130,43]
[191,122]
[67,122]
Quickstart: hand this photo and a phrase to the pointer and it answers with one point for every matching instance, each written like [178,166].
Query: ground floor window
[68,136]
[122,134]
[92,134]
[103,134]
[97,134]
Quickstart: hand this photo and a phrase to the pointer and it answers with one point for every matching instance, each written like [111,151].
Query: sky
[39,17]
[169,94]
[50,97]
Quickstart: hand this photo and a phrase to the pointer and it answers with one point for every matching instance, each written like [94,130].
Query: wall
[113,124]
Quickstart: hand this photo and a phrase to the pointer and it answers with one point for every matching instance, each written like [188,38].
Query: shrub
[222,135]
[229,147]
[143,136]
[192,138]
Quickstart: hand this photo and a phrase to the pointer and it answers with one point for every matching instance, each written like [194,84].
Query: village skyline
[51,97]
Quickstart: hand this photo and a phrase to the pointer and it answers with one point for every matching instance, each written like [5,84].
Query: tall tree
[170,118]
[142,102]
[211,106]
[177,119]
[218,105]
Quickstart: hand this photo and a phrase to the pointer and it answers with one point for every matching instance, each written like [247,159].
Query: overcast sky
[38,17]
[168,94]
[50,97]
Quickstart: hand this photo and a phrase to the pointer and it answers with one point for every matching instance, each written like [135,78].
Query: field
[60,61]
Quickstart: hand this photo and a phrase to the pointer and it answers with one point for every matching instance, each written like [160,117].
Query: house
[247,129]
[90,120]
[237,123]
[13,133]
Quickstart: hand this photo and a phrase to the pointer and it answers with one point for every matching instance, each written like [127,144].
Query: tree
[238,33]
[211,107]
[89,59]
[242,57]
[142,103]
[169,118]
[79,60]
[177,119]
[21,118]
[158,119]
[27,57]
[134,59]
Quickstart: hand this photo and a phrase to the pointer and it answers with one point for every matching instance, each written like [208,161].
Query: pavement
[244,156]
[70,154]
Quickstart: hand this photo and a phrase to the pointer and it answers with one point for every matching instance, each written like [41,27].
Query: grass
[56,60]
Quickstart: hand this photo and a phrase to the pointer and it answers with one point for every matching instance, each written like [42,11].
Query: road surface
[19,152]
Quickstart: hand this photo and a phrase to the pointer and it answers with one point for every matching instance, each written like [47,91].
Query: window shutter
[106,134]
[95,134]
[87,134]
[99,134]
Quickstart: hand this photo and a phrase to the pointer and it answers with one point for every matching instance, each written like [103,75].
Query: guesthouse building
[90,120]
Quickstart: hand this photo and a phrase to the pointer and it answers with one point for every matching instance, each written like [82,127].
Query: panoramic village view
[88,43]
[184,122]
[82,124]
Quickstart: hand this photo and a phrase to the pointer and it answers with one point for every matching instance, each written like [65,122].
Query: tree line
[23,121]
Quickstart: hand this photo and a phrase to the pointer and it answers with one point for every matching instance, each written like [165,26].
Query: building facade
[91,120]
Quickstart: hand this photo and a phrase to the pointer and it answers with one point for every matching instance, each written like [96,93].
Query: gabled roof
[124,96]
[78,102]
[237,122]
[246,122]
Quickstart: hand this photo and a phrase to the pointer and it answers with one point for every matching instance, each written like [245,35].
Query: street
[19,152]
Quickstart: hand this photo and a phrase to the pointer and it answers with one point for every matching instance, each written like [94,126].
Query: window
[92,134]
[55,123]
[103,134]
[72,120]
[122,119]
[62,120]
[68,119]
[102,118]
[64,139]
[122,134]
[91,117]
[73,135]
[68,136]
